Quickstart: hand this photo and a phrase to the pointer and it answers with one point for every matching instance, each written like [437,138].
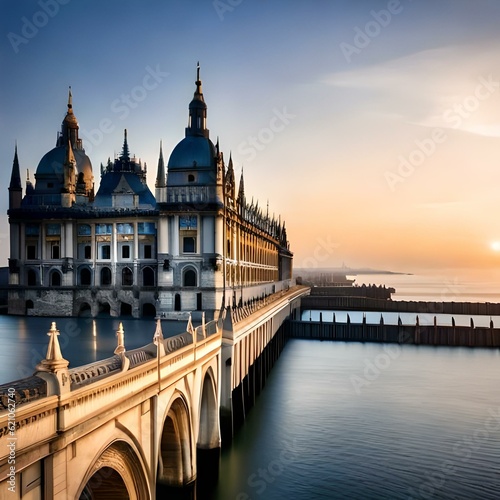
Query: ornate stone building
[197,245]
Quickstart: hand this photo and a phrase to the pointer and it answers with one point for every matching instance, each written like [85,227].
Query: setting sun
[495,246]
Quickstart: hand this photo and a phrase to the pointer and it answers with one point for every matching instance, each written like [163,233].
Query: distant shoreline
[348,271]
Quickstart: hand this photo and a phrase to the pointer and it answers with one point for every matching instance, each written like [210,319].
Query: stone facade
[196,245]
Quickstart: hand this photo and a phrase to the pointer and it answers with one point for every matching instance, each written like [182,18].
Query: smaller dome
[53,161]
[193,151]
[70,120]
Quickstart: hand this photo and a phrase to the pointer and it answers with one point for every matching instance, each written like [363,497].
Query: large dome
[193,151]
[52,163]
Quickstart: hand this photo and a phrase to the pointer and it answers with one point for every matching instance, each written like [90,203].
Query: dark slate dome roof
[193,151]
[52,162]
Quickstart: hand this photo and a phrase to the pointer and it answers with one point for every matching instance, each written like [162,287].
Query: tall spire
[241,189]
[125,150]
[15,187]
[197,110]
[160,175]
[15,178]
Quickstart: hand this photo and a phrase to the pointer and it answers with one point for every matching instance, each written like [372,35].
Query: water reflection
[24,340]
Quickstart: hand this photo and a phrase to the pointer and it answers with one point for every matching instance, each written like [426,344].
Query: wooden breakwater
[325,302]
[438,335]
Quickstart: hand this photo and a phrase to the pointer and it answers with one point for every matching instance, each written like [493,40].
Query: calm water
[336,420]
[23,341]
[371,421]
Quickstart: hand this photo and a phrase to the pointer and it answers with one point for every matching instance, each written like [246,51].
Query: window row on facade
[87,276]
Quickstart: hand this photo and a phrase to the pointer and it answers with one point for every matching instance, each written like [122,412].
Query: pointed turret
[125,156]
[69,129]
[241,194]
[15,187]
[161,178]
[230,186]
[197,111]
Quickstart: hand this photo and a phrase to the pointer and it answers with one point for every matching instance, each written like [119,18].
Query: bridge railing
[35,409]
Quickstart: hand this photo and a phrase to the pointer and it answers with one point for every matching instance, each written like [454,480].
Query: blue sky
[372,127]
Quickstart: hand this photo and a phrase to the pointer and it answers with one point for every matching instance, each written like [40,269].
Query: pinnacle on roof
[125,150]
[15,178]
[161,180]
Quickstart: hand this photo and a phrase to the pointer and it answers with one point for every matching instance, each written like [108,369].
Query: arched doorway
[125,309]
[85,276]
[148,277]
[177,302]
[127,277]
[148,310]
[55,278]
[104,309]
[175,461]
[85,310]
[105,276]
[116,474]
[189,278]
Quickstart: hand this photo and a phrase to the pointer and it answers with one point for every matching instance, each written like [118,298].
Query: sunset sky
[372,127]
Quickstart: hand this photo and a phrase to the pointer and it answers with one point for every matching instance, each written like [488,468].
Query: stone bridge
[118,428]
[114,428]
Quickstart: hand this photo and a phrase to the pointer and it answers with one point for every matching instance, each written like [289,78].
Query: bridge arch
[116,474]
[175,460]
[208,434]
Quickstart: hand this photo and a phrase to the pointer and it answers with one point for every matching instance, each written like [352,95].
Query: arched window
[148,277]
[177,302]
[189,278]
[127,277]
[32,277]
[55,278]
[105,276]
[85,276]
